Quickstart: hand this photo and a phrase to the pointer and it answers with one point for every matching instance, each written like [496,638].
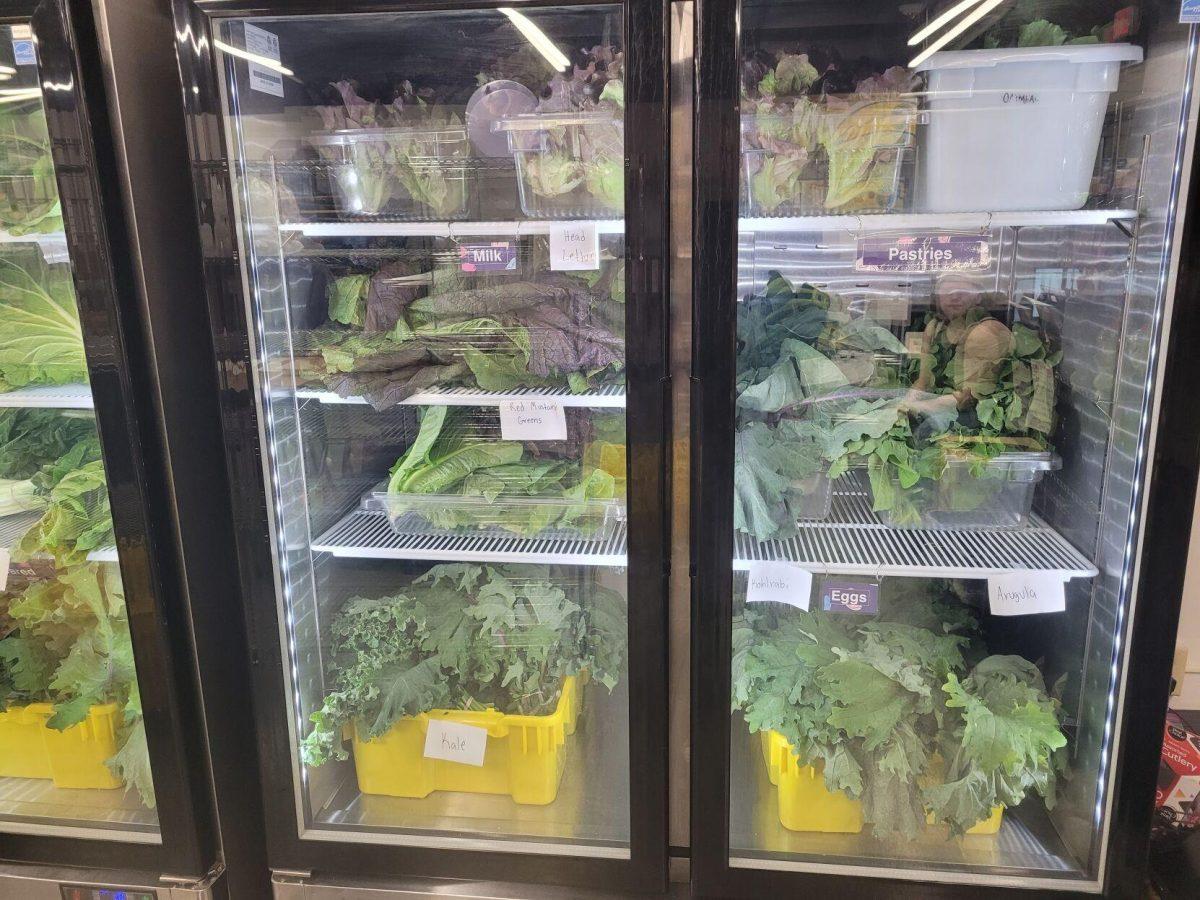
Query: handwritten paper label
[574,246]
[1027,593]
[455,742]
[779,582]
[533,419]
[498,256]
[1189,12]
[4,560]
[861,597]
[262,78]
[923,253]
[914,343]
[890,309]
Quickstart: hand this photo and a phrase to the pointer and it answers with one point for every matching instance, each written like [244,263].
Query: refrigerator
[434,250]
[944,442]
[104,784]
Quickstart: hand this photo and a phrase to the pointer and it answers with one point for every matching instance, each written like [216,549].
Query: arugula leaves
[468,637]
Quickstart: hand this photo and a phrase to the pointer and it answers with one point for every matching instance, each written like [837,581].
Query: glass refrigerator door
[73,748]
[430,211]
[952,257]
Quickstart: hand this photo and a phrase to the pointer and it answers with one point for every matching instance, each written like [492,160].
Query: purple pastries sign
[850,597]
[499,256]
[923,253]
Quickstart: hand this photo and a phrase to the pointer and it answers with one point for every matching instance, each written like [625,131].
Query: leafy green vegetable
[71,647]
[501,485]
[1041,34]
[464,636]
[40,338]
[884,706]
[29,201]
[31,438]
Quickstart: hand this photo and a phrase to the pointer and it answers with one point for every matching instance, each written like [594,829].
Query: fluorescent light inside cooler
[18,95]
[944,19]
[7,70]
[265,61]
[954,32]
[537,37]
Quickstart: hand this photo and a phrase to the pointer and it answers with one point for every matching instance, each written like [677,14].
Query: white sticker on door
[1027,593]
[779,582]
[455,742]
[533,419]
[263,78]
[5,557]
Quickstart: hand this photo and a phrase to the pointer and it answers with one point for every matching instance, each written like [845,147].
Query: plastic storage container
[1016,129]
[525,755]
[816,498]
[805,804]
[72,758]
[569,165]
[999,496]
[876,184]
[403,173]
[556,518]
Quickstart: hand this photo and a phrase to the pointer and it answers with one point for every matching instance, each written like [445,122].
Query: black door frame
[646,129]
[1168,517]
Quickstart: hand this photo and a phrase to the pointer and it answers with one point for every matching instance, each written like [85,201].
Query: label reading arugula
[533,419]
[455,742]
[779,582]
[1027,593]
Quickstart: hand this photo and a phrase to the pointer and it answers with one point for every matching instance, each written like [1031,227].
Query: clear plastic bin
[569,165]
[878,183]
[546,518]
[999,496]
[817,498]
[402,173]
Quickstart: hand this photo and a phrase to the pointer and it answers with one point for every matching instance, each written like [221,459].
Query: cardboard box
[1177,799]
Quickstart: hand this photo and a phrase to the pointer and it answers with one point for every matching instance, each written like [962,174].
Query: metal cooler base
[28,804]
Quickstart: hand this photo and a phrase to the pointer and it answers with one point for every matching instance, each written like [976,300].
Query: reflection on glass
[431,209]
[72,742]
[931,490]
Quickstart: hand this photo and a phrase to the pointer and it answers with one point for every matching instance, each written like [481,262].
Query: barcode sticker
[266,45]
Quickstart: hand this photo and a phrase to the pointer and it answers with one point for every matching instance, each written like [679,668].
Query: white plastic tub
[1016,129]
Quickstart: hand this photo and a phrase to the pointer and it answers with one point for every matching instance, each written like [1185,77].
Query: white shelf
[610,397]
[365,535]
[972,221]
[514,228]
[53,244]
[854,541]
[54,396]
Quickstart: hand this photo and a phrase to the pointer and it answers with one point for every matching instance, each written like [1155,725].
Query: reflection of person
[963,348]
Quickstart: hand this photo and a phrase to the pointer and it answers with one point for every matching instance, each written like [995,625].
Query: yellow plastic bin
[525,755]
[805,804]
[72,758]
[935,775]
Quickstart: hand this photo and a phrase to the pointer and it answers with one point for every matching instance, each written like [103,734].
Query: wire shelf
[853,540]
[608,397]
[369,536]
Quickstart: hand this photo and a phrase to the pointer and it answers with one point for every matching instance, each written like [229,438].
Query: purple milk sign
[861,597]
[498,256]
[923,253]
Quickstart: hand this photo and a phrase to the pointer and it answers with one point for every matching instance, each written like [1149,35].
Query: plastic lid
[1072,53]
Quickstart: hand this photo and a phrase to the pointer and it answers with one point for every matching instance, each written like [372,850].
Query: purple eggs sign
[850,597]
